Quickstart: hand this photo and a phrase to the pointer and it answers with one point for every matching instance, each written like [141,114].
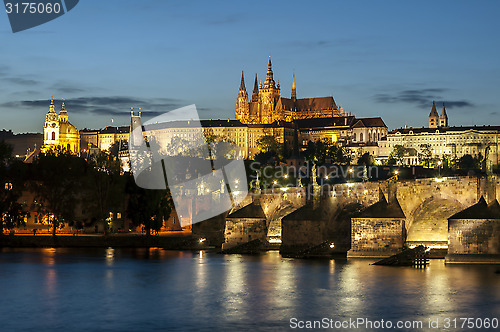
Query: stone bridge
[295,217]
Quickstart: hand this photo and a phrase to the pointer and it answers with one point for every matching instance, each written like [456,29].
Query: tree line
[60,182]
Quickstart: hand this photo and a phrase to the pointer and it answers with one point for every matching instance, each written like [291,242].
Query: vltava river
[144,290]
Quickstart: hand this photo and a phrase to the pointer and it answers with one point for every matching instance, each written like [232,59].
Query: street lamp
[439,168]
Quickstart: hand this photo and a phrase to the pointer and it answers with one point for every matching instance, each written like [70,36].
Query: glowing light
[236,181]
[396,172]
[351,170]
[440,162]
[439,179]
[202,240]
[350,184]
[286,176]
[275,182]
[332,245]
[326,177]
[274,240]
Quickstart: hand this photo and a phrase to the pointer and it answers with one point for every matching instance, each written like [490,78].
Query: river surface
[157,290]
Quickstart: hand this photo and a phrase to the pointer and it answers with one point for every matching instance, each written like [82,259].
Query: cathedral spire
[255,93]
[242,85]
[269,82]
[294,91]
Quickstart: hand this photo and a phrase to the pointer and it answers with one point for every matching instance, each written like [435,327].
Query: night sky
[377,58]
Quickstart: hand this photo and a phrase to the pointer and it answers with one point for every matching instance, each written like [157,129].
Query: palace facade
[443,141]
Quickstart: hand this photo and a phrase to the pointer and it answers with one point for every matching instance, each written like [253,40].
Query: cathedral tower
[433,117]
[443,119]
[242,108]
[269,96]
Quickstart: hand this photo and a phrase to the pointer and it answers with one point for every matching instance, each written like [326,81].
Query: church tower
[63,114]
[294,90]
[51,126]
[242,108]
[443,119]
[433,117]
[269,95]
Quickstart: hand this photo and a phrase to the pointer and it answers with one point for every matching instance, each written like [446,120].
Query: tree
[366,159]
[425,154]
[270,149]
[104,186]
[12,213]
[268,143]
[398,154]
[469,162]
[320,150]
[57,184]
[148,207]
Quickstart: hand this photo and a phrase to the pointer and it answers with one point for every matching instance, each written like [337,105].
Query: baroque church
[267,105]
[58,131]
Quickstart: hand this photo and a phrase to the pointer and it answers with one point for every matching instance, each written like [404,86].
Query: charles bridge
[361,218]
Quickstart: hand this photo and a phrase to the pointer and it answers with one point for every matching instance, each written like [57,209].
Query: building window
[354,136]
[53,135]
[361,137]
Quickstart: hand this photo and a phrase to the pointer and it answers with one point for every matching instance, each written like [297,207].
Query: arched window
[361,137]
[69,147]
[53,135]
[354,136]
[369,136]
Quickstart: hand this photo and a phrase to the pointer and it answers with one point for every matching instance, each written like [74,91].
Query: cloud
[21,81]
[4,70]
[421,98]
[115,105]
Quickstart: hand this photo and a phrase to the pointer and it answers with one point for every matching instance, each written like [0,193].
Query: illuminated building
[58,131]
[443,141]
[267,105]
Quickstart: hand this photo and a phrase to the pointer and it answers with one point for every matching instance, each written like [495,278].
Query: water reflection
[110,256]
[151,288]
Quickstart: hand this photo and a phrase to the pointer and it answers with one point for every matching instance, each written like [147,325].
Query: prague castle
[58,131]
[267,105]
